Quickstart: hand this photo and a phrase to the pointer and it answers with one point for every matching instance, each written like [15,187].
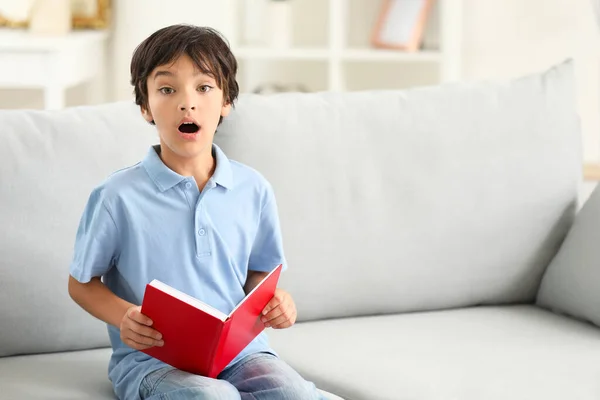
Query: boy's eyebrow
[207,75]
[170,74]
[162,73]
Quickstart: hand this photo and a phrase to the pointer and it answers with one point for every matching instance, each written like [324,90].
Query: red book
[199,338]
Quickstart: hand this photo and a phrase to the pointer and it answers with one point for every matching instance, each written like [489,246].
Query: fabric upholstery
[423,199]
[491,353]
[571,284]
[62,376]
[49,163]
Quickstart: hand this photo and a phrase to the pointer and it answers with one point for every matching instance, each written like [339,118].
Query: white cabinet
[331,48]
[53,64]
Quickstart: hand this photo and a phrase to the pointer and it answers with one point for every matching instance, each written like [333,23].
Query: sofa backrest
[424,199]
[390,201]
[49,163]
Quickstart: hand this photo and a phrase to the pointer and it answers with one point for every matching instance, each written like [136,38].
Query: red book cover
[198,338]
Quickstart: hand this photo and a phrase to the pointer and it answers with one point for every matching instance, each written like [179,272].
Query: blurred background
[61,53]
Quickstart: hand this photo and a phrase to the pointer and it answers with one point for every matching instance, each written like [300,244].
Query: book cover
[199,338]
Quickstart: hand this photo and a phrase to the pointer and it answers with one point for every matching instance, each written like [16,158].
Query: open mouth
[188,127]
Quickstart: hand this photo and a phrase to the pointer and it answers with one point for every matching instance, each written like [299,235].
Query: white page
[188,299]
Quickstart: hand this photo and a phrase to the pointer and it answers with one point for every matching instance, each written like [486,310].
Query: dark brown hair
[205,46]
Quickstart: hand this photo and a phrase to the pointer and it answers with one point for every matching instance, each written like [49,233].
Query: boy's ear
[147,114]
[225,109]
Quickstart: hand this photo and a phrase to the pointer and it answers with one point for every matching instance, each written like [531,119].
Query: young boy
[188,216]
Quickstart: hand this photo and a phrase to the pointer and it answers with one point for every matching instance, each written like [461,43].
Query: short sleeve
[267,249]
[96,240]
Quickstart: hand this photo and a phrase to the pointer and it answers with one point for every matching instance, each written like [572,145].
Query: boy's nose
[187,102]
[184,107]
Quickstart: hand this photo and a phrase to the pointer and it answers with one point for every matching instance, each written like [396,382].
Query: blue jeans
[260,376]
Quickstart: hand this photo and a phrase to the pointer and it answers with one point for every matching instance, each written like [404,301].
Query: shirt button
[201,232]
[188,185]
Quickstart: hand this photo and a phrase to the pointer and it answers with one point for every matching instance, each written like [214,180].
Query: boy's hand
[136,331]
[280,312]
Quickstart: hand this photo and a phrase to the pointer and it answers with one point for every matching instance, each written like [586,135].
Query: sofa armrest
[571,284]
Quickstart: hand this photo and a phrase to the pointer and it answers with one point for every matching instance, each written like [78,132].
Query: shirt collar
[165,178]
[223,174]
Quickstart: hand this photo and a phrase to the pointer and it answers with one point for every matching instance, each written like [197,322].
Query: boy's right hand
[136,331]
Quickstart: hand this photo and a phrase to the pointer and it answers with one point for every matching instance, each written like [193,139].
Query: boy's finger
[289,321]
[274,313]
[277,321]
[283,325]
[270,305]
[271,315]
[135,345]
[143,340]
[147,331]
[138,317]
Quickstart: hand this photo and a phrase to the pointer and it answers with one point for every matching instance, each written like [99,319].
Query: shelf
[24,41]
[364,54]
[368,54]
[332,56]
[281,54]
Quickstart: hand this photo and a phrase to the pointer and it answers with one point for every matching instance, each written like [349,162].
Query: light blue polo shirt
[147,222]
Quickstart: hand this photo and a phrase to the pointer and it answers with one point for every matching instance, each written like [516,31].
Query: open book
[199,338]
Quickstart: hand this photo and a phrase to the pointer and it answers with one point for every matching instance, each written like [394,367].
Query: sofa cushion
[62,376]
[571,284]
[491,353]
[65,376]
[421,199]
[49,163]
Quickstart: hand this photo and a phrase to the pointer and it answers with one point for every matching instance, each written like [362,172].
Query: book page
[188,299]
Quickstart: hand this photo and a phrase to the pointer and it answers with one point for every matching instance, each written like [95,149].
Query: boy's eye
[204,88]
[166,90]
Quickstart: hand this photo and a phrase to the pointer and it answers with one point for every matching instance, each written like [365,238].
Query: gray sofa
[436,247]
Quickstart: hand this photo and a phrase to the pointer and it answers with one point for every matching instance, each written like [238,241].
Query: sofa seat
[73,375]
[65,376]
[513,352]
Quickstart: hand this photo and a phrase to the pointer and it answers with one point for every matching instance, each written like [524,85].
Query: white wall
[134,20]
[501,39]
[507,38]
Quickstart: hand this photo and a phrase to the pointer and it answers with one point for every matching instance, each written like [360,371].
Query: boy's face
[185,105]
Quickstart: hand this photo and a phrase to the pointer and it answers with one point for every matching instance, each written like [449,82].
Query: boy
[190,217]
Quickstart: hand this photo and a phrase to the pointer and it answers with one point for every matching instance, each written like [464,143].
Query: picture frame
[401,24]
[90,14]
[86,14]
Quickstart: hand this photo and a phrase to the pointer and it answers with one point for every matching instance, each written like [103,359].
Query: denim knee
[172,384]
[217,391]
[300,391]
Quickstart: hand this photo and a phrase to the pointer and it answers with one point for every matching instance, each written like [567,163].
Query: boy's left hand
[280,312]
